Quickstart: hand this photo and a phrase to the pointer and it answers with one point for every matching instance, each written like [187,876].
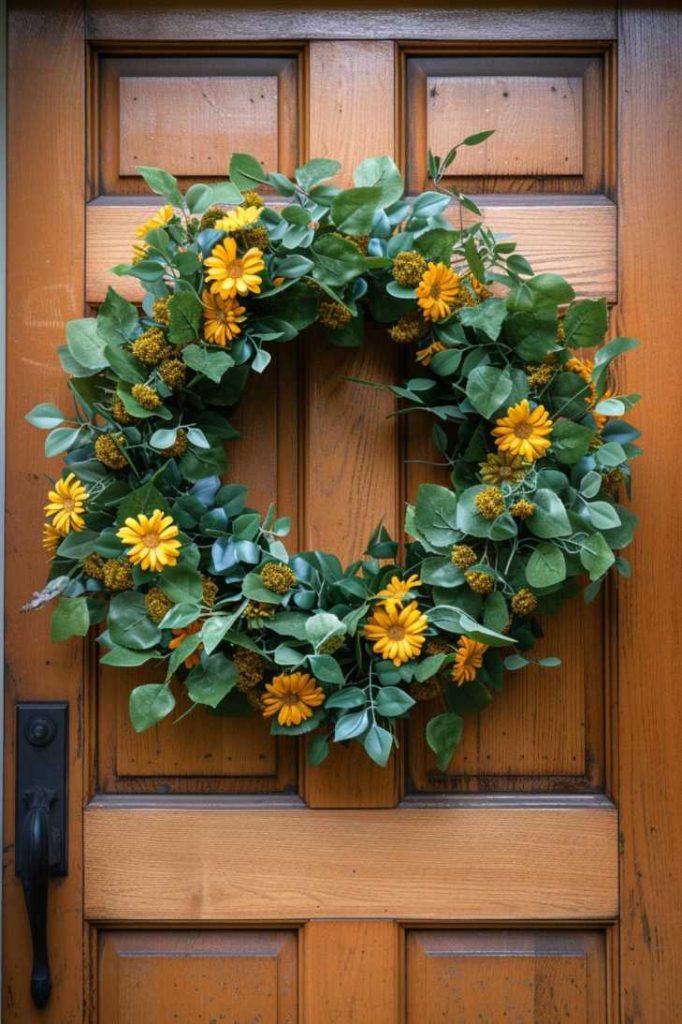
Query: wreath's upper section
[144,536]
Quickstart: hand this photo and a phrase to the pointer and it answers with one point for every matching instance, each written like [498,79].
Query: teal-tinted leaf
[316,170]
[246,171]
[180,615]
[596,556]
[129,624]
[546,566]
[45,416]
[181,585]
[570,441]
[443,735]
[353,210]
[336,261]
[585,323]
[610,454]
[143,499]
[60,440]
[85,344]
[351,725]
[122,657]
[430,204]
[391,701]
[602,515]
[148,704]
[323,626]
[348,697]
[184,311]
[212,680]
[435,515]
[70,618]
[429,667]
[488,388]
[382,173]
[198,198]
[211,364]
[550,518]
[318,750]
[163,183]
[78,545]
[487,317]
[378,743]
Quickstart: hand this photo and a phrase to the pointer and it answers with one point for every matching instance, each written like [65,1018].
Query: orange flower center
[234,269]
[151,540]
[523,430]
[290,699]
[69,504]
[395,632]
[504,472]
[435,290]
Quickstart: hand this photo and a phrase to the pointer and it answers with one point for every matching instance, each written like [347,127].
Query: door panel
[224,877]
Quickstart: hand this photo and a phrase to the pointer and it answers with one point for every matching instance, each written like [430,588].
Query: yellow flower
[583,367]
[524,431]
[399,590]
[66,504]
[468,660]
[438,290]
[502,469]
[159,220]
[424,355]
[52,538]
[230,274]
[291,698]
[238,219]
[222,318]
[152,539]
[180,635]
[397,633]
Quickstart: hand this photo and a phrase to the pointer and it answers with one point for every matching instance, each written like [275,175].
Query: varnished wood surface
[582,229]
[279,865]
[649,710]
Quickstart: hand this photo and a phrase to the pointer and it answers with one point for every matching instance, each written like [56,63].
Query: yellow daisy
[399,590]
[438,290]
[230,274]
[51,539]
[159,220]
[222,318]
[468,660]
[152,540]
[66,504]
[291,698]
[502,469]
[524,431]
[397,633]
[238,219]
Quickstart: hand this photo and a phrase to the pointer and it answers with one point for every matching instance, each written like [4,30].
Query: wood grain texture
[196,977]
[557,864]
[109,19]
[44,288]
[485,977]
[193,125]
[352,972]
[649,711]
[538,123]
[581,229]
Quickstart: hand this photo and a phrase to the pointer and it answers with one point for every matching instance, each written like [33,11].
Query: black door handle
[40,827]
[34,867]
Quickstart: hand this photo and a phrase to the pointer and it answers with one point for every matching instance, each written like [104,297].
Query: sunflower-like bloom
[438,291]
[425,355]
[180,635]
[237,219]
[66,504]
[222,318]
[400,590]
[502,469]
[524,431]
[230,274]
[468,660]
[152,539]
[291,698]
[52,538]
[159,220]
[397,633]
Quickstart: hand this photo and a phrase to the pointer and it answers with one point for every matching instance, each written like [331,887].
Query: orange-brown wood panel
[649,709]
[195,977]
[213,861]
[44,288]
[524,977]
[351,972]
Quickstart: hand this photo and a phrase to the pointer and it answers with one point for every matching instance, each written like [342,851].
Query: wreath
[150,544]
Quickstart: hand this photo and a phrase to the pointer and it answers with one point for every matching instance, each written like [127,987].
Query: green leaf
[318,750]
[117,318]
[382,173]
[515,662]
[550,518]
[336,261]
[474,260]
[184,311]
[378,743]
[437,245]
[254,588]
[226,193]
[468,698]
[488,388]
[348,697]
[495,612]
[316,170]
[143,499]
[198,198]
[326,669]
[477,138]
[596,556]
[163,183]
[85,344]
[351,725]
[148,704]
[546,566]
[487,317]
[610,454]
[353,210]
[391,701]
[212,364]
[60,440]
[570,441]
[211,681]
[323,626]
[429,204]
[246,171]
[180,615]
[443,735]
[123,657]
[603,516]
[70,618]
[440,572]
[78,545]
[214,629]
[45,416]
[585,323]
[129,624]
[181,585]
[436,514]
[429,667]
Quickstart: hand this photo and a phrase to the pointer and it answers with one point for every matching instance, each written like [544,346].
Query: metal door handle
[34,868]
[40,827]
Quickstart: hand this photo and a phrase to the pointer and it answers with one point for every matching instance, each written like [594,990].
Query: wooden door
[213,875]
